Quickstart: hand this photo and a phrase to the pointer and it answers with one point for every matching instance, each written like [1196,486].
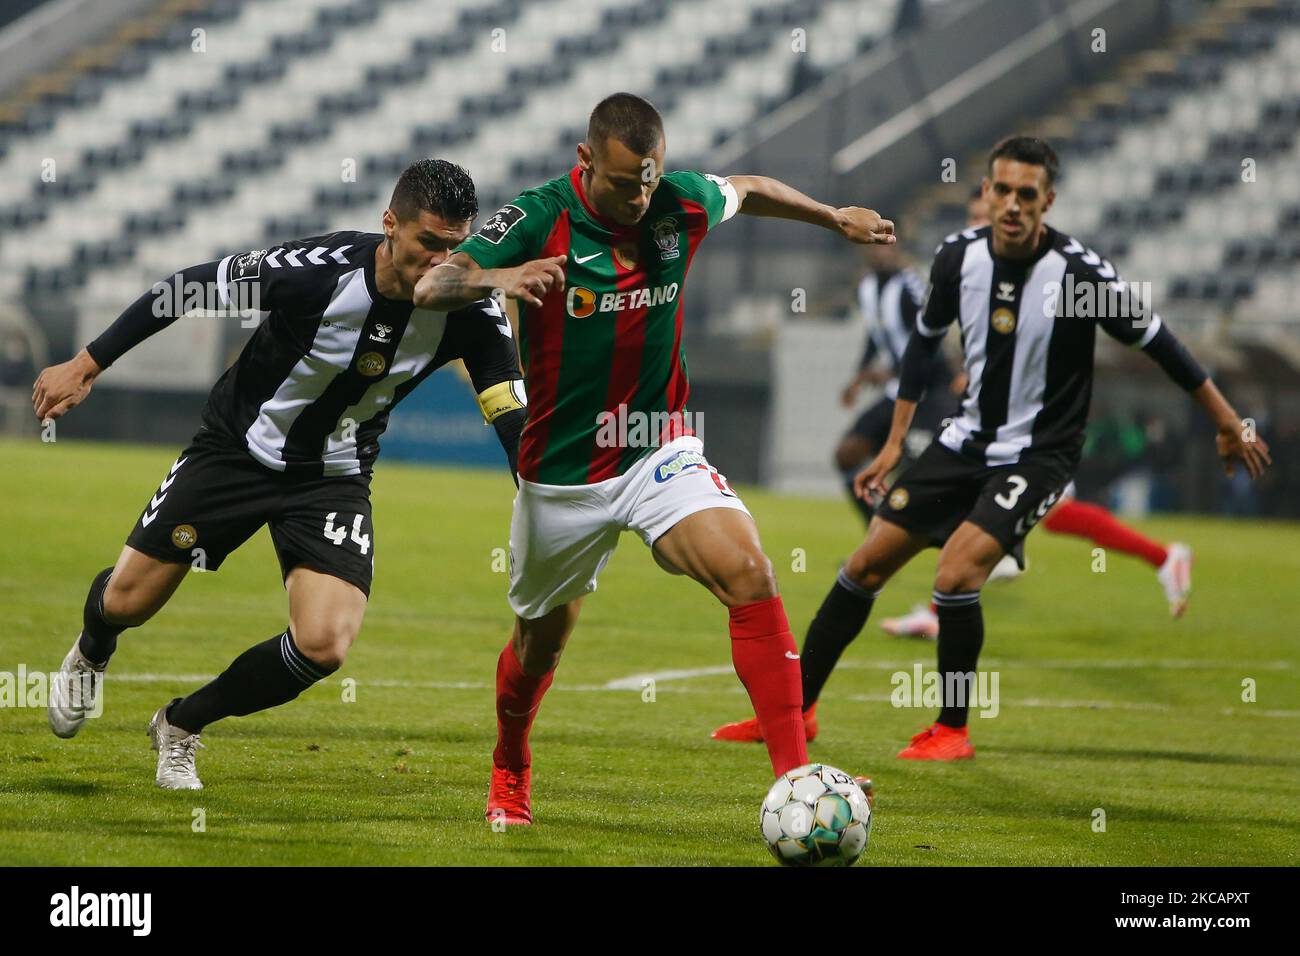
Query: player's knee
[750,578]
[959,578]
[865,573]
[326,643]
[540,642]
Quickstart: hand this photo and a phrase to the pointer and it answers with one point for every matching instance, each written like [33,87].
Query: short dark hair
[436,186]
[630,119]
[1028,149]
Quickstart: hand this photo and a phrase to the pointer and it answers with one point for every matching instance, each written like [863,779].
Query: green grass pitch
[1105,702]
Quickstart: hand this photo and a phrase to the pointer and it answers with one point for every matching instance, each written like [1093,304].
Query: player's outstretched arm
[1236,439]
[459,281]
[60,388]
[764,196]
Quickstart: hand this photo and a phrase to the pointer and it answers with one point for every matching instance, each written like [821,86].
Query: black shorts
[216,496]
[874,424]
[943,489]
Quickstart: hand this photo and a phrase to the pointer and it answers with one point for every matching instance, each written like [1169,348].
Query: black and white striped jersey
[889,303]
[312,389]
[1028,354]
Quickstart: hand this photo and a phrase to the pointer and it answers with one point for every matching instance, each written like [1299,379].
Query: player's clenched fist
[60,388]
[865,226]
[531,281]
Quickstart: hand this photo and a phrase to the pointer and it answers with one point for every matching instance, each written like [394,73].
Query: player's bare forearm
[904,412]
[1237,439]
[1216,406]
[870,481]
[459,281]
[453,284]
[764,196]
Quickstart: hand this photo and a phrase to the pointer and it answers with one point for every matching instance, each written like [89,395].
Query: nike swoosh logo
[793,657]
[511,713]
[581,259]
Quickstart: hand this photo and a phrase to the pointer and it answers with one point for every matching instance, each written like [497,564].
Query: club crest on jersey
[898,499]
[1006,292]
[496,228]
[580,302]
[247,266]
[626,255]
[371,364]
[679,463]
[184,536]
[381,333]
[1003,320]
[666,238]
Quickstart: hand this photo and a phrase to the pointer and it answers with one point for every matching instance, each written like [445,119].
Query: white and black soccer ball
[816,815]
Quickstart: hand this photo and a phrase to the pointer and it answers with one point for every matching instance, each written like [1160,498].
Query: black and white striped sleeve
[942,300]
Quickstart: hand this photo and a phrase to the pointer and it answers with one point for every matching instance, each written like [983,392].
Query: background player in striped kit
[290,433]
[999,467]
[621,233]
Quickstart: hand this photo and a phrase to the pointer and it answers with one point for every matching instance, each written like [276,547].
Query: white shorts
[561,536]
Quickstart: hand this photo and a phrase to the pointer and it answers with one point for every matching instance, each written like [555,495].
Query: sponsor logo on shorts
[679,463]
[184,536]
[1003,320]
[898,499]
[371,364]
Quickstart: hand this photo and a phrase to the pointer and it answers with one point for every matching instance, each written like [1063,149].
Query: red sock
[518,698]
[767,662]
[1104,530]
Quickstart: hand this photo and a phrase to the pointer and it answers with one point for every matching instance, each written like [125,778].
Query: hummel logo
[383,332]
[581,259]
[1006,292]
[793,657]
[156,501]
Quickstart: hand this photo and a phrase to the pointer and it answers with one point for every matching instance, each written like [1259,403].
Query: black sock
[98,637]
[961,635]
[864,507]
[266,675]
[838,621]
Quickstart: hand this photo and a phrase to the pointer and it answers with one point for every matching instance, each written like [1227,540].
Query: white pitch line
[626,684]
[634,682]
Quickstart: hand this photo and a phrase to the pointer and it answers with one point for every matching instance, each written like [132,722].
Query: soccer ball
[815,815]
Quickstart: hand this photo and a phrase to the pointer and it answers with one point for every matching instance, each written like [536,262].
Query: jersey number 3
[1009,498]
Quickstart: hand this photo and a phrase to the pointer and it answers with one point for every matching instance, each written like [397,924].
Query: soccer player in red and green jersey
[597,260]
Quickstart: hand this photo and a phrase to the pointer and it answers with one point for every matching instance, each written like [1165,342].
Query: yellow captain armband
[501,398]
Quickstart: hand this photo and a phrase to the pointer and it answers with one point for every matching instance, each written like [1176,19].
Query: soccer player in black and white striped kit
[289,436]
[997,469]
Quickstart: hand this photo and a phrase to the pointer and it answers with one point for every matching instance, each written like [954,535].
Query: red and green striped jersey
[606,351]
